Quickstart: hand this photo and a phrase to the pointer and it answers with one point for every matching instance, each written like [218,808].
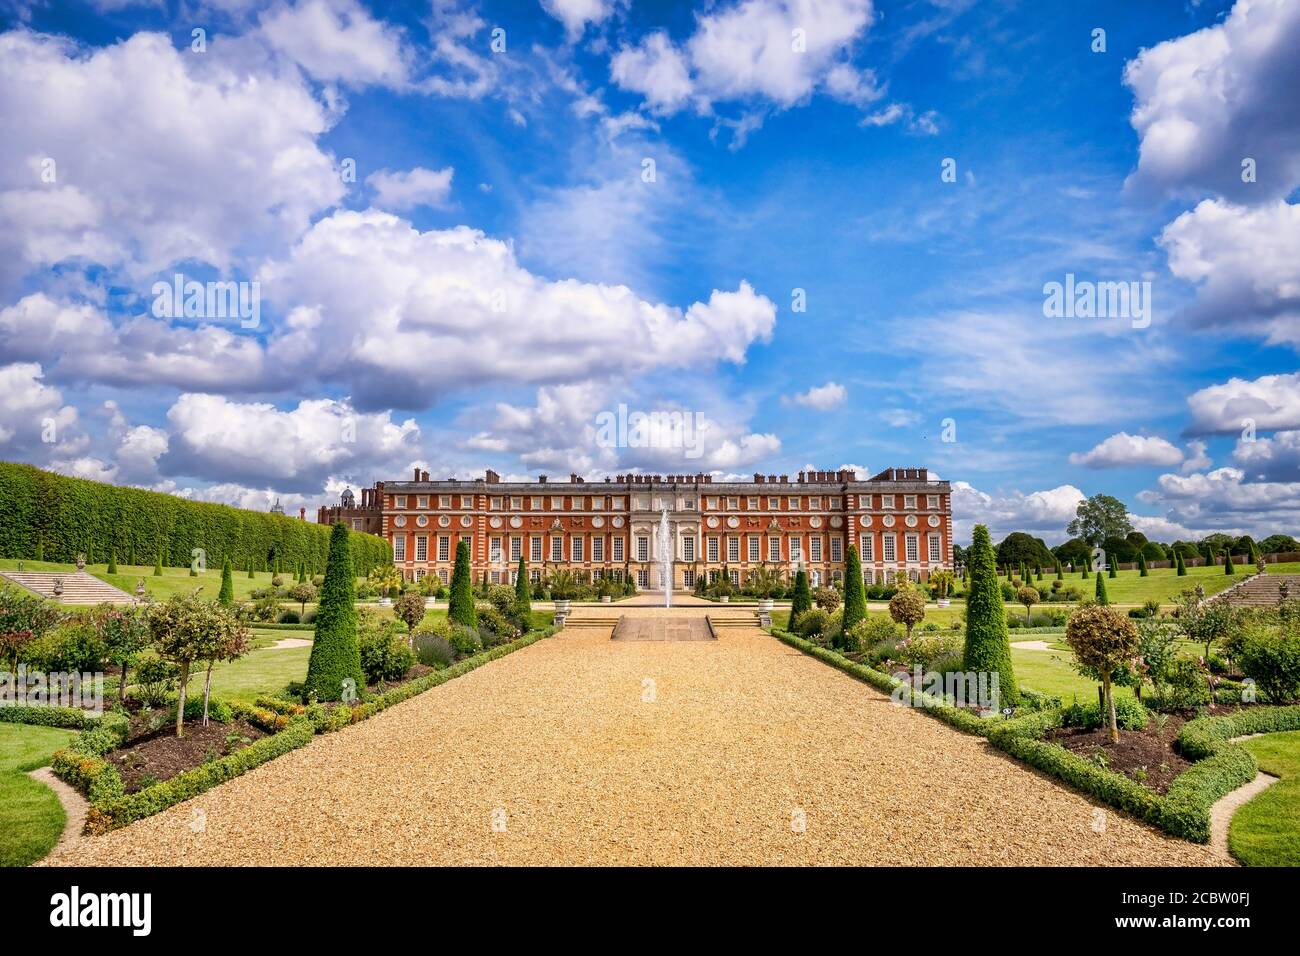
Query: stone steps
[78,587]
[1260,590]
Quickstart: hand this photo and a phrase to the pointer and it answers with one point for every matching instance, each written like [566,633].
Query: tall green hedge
[58,517]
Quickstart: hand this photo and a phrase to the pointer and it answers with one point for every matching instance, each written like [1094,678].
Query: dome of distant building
[349,499]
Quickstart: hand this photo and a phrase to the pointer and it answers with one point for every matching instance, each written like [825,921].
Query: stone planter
[430,602]
[725,599]
[605,599]
[765,605]
[562,607]
[943,602]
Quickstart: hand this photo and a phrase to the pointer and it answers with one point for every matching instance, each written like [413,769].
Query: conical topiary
[523,594]
[1101,590]
[855,593]
[802,599]
[157,568]
[251,573]
[988,647]
[1178,563]
[112,561]
[1142,565]
[460,607]
[227,593]
[1228,567]
[335,657]
[1060,574]
[1114,566]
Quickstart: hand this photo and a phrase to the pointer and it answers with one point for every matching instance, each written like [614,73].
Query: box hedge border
[82,764]
[69,718]
[1183,811]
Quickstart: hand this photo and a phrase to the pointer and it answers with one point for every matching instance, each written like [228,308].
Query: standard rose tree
[1103,640]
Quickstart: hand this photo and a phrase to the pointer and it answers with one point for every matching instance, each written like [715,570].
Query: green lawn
[264,671]
[1051,672]
[1266,831]
[172,581]
[31,817]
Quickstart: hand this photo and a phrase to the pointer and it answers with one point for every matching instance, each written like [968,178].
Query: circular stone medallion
[399,521]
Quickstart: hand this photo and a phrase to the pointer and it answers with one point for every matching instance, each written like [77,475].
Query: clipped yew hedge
[57,518]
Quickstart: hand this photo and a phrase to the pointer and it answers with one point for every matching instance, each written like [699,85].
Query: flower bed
[87,763]
[1218,767]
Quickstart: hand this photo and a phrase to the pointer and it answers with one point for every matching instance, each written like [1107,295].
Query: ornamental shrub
[1272,658]
[855,597]
[460,607]
[227,593]
[802,599]
[385,657]
[335,655]
[988,647]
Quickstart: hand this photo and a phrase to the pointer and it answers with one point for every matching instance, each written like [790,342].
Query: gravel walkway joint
[583,750]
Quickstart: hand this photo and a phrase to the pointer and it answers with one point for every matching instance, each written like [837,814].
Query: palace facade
[900,519]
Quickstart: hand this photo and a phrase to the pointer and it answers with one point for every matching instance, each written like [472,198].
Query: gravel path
[584,750]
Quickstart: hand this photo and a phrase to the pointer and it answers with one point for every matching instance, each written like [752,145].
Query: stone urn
[58,587]
[765,605]
[81,562]
[430,601]
[562,607]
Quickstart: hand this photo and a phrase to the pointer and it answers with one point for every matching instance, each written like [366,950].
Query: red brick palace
[900,519]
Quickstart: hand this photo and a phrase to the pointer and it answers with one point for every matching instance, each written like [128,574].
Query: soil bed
[1146,756]
[161,755]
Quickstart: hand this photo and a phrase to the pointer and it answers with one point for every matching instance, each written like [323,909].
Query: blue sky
[501,269]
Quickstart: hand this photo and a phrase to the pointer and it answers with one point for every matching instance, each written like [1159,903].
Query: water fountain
[666,558]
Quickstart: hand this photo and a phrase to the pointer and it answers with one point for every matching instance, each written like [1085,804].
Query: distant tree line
[1102,521]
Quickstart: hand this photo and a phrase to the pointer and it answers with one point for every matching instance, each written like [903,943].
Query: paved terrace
[583,750]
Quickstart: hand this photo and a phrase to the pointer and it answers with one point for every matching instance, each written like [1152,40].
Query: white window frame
[815,548]
[837,548]
[733,550]
[688,548]
[755,549]
[796,549]
[557,549]
[935,549]
[576,549]
[774,548]
[711,549]
[643,547]
[616,550]
[399,547]
[598,549]
[867,547]
[444,547]
[535,549]
[912,548]
[889,547]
